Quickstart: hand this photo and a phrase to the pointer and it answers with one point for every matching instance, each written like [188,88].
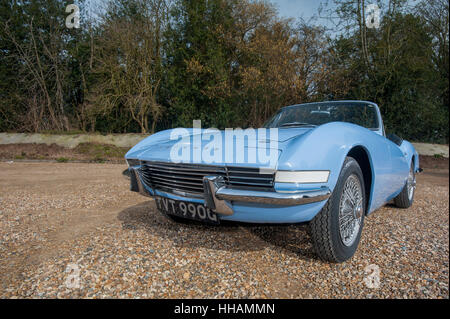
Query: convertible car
[334,166]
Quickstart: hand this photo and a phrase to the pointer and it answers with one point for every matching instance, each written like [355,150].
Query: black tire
[324,228]
[404,200]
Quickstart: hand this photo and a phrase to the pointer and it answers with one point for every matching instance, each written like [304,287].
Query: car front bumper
[224,199]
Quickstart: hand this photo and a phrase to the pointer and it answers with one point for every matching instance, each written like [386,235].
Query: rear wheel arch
[362,157]
[406,197]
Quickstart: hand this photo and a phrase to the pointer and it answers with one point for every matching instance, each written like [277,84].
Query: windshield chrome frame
[379,130]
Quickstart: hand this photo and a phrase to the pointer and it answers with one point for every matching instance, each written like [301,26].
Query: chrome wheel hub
[350,210]
[411,183]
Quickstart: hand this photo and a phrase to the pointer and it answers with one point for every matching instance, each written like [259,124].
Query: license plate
[184,209]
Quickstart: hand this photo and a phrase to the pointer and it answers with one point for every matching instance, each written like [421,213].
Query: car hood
[286,134]
[157,147]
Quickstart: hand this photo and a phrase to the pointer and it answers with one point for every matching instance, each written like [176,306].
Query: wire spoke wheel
[350,210]
[336,230]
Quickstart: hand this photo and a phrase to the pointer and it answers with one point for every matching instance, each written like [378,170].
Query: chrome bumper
[218,194]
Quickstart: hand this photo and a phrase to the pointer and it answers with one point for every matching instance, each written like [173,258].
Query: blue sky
[297,8]
[291,8]
[287,8]
[309,8]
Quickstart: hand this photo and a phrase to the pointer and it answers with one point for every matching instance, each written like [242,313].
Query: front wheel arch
[362,157]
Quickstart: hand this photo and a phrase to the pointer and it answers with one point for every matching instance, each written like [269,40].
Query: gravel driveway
[74,230]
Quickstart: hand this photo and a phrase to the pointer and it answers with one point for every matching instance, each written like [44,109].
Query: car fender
[410,153]
[326,147]
[160,136]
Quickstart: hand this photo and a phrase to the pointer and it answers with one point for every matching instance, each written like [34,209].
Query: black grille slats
[188,178]
[249,178]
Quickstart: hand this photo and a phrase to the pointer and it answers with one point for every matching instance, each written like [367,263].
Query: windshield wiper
[297,124]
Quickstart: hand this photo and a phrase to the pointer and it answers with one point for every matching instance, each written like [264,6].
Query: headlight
[133,162]
[304,177]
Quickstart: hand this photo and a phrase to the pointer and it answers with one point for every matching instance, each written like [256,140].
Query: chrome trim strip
[217,194]
[274,198]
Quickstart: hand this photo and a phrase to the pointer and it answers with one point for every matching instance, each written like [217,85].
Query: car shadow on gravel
[228,236]
[293,238]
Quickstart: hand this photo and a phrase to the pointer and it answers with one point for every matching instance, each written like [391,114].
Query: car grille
[188,178]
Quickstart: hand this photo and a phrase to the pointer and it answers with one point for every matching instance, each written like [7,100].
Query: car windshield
[313,114]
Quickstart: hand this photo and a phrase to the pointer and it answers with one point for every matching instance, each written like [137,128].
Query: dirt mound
[31,151]
[439,162]
[89,152]
[96,152]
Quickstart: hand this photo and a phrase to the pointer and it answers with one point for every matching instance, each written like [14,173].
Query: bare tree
[436,15]
[128,57]
[42,71]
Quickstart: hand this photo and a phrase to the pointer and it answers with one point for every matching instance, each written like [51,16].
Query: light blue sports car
[328,164]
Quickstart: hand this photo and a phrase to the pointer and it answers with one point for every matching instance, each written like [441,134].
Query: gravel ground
[71,230]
